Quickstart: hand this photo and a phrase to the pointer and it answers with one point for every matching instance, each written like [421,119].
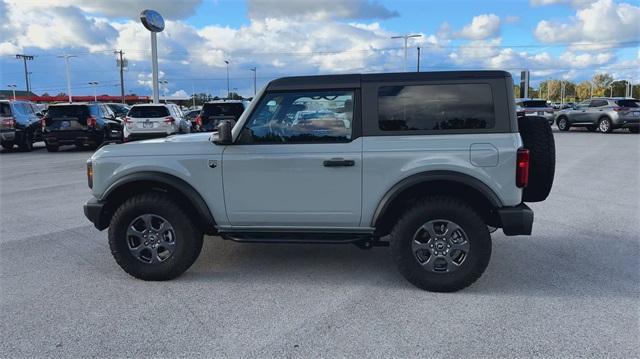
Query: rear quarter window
[148,111]
[435,107]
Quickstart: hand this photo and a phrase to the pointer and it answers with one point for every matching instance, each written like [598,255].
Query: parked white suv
[426,163]
[145,121]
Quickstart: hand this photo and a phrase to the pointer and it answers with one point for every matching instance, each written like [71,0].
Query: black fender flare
[432,176]
[194,198]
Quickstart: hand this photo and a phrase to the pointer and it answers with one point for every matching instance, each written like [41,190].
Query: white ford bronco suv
[426,163]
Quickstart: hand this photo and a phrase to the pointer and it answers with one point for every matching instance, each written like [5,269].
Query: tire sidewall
[475,263]
[608,121]
[187,241]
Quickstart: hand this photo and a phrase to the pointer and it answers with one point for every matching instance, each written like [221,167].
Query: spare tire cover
[538,139]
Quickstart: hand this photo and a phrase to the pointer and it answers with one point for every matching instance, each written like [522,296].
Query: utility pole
[418,68]
[121,63]
[26,72]
[228,87]
[255,73]
[406,38]
[66,64]
[95,94]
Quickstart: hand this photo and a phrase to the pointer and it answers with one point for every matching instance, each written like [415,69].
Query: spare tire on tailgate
[538,139]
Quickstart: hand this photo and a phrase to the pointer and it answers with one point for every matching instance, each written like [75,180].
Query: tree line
[601,85]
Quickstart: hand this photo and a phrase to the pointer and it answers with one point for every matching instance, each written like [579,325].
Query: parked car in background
[214,112]
[19,125]
[79,124]
[154,120]
[119,109]
[192,117]
[604,114]
[535,107]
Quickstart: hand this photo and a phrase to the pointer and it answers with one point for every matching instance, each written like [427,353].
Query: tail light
[169,119]
[90,174]
[8,122]
[91,121]
[198,120]
[522,168]
[127,121]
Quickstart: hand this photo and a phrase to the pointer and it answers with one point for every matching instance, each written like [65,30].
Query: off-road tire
[441,208]
[538,139]
[188,242]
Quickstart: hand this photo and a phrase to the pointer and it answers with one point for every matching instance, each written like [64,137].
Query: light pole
[24,58]
[228,86]
[95,95]
[153,21]
[406,38]
[13,88]
[66,64]
[255,74]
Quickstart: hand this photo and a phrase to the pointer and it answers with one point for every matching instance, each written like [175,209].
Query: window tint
[435,107]
[533,103]
[310,116]
[80,112]
[234,109]
[627,103]
[598,103]
[5,109]
[148,111]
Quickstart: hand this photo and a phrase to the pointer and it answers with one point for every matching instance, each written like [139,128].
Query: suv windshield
[627,103]
[77,111]
[148,111]
[533,103]
[234,109]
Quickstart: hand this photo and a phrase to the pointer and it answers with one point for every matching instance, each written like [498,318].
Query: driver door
[297,163]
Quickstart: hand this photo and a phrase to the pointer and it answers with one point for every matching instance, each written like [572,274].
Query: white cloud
[170,9]
[481,27]
[574,3]
[181,93]
[319,10]
[600,25]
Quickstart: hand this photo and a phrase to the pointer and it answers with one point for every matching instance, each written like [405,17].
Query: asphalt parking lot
[570,290]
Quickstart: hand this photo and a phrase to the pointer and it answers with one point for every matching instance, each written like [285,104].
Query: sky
[554,39]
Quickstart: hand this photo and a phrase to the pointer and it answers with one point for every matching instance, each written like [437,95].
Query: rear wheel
[604,125]
[152,237]
[26,144]
[563,124]
[441,245]
[52,148]
[7,145]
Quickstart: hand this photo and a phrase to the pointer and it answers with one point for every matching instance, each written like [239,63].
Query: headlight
[90,173]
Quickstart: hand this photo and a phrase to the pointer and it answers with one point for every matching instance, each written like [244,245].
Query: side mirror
[224,134]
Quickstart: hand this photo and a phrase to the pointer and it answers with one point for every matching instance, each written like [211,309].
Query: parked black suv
[213,113]
[19,125]
[80,124]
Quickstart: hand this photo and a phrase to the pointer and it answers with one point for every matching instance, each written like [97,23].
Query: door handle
[338,162]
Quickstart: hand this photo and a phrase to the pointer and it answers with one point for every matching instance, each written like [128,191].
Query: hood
[177,145]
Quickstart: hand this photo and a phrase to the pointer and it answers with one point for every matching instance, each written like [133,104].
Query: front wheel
[441,245]
[604,125]
[563,124]
[152,237]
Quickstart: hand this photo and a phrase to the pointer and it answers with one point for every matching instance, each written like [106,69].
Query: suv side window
[303,117]
[435,107]
[598,103]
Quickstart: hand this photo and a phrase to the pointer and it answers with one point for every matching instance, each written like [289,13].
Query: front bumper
[95,211]
[517,220]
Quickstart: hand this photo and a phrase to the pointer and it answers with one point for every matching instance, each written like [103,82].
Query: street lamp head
[226,62]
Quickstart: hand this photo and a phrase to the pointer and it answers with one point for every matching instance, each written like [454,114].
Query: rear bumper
[516,220]
[73,137]
[95,212]
[8,134]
